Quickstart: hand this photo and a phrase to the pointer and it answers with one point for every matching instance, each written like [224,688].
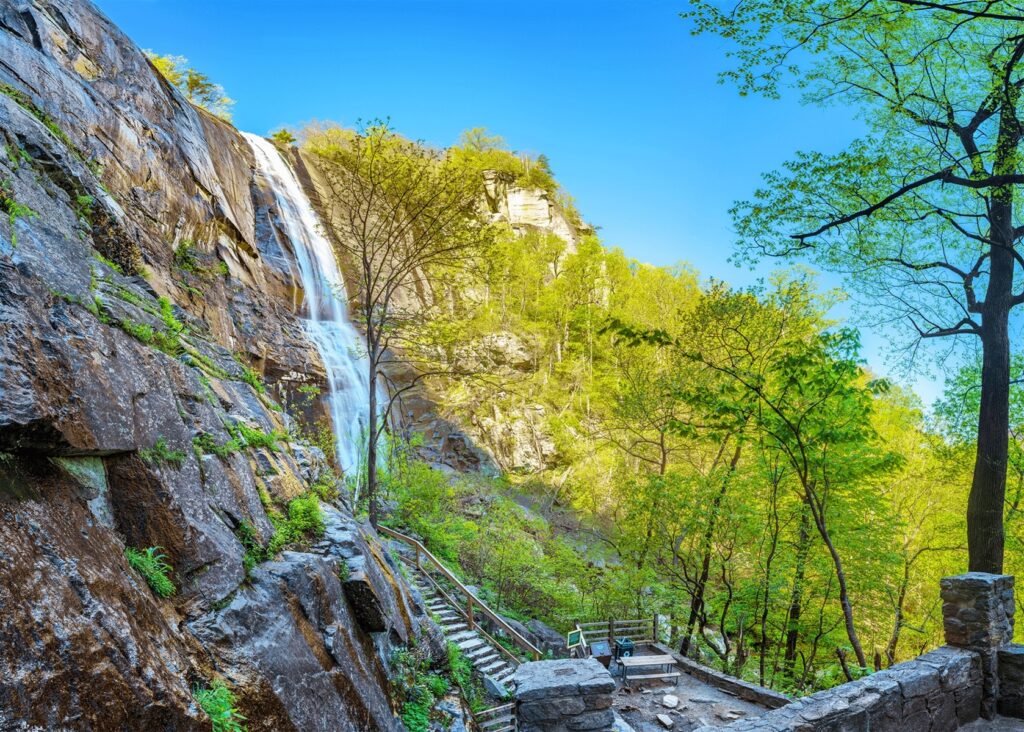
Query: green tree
[921,211]
[197,87]
[406,216]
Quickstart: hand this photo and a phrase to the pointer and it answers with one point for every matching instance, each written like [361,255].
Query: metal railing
[472,604]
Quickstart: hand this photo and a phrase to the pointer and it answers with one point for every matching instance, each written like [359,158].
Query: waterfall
[325,310]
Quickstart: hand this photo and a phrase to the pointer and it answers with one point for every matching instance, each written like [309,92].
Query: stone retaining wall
[564,696]
[941,690]
[976,674]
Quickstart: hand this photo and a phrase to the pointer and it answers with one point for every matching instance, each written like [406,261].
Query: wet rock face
[78,630]
[122,402]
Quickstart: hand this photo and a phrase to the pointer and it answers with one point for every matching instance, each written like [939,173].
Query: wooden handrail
[455,607]
[471,599]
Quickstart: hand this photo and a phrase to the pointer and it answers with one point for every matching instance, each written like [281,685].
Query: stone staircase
[493,665]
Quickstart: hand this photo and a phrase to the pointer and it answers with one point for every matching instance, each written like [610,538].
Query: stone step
[506,676]
[492,668]
[454,628]
[472,644]
[463,635]
[477,653]
[485,659]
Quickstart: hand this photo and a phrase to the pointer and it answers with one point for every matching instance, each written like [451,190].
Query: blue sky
[618,94]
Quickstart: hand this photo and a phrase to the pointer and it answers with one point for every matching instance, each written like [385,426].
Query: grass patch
[14,210]
[168,342]
[256,438]
[153,566]
[206,444]
[254,551]
[161,453]
[25,102]
[17,155]
[250,377]
[219,704]
[167,316]
[83,204]
[461,670]
[188,259]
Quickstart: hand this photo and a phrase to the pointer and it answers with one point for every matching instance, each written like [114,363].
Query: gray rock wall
[117,166]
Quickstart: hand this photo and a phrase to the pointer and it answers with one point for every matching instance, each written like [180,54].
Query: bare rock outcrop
[148,302]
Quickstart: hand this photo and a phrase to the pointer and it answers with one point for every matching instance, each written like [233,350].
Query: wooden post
[469,612]
[655,624]
[418,565]
[611,632]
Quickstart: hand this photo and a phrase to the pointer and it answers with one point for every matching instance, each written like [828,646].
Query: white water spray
[325,311]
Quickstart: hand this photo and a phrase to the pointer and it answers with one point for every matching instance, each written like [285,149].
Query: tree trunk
[988,487]
[796,596]
[371,443]
[767,579]
[844,597]
[697,601]
[985,536]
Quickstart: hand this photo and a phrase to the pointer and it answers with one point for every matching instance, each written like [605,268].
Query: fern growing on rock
[219,704]
[153,566]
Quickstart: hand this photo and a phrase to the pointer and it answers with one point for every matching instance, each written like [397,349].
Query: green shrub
[185,257]
[254,551]
[283,136]
[13,209]
[205,444]
[250,377]
[304,521]
[161,453]
[305,515]
[438,685]
[461,670]
[139,331]
[153,567]
[255,437]
[83,208]
[416,709]
[167,316]
[219,704]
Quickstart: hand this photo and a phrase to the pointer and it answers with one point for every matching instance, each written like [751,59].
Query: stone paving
[698,705]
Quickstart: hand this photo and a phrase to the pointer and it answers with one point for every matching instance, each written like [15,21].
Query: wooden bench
[632,664]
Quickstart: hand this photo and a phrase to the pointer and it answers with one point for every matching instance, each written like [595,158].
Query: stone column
[977,614]
[564,696]
[1011,681]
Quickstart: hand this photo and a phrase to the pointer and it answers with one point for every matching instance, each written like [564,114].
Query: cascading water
[340,345]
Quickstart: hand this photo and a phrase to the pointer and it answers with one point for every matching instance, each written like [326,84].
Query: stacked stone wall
[567,695]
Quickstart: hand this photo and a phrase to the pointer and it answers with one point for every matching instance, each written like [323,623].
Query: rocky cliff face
[146,296]
[526,209]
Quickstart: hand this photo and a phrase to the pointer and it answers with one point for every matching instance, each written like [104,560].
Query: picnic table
[633,668]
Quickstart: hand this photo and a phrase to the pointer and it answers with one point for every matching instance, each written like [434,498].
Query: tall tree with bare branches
[406,216]
[920,213]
